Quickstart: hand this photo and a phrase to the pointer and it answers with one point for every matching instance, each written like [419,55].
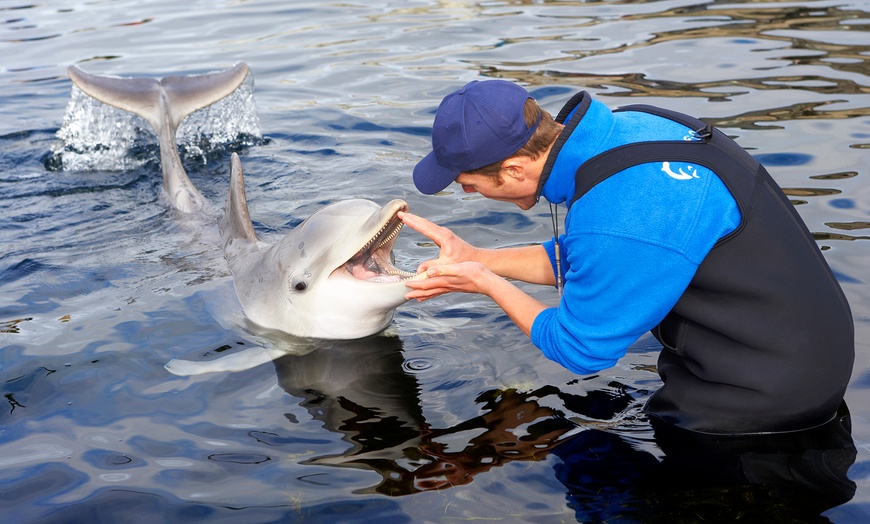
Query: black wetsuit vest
[762,340]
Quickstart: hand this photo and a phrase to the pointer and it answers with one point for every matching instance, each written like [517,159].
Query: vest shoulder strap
[711,149]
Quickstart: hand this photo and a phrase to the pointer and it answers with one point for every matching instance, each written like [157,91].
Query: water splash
[98,137]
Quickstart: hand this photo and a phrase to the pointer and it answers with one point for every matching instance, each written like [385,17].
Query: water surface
[450,415]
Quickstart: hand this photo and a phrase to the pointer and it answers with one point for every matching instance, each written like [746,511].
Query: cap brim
[430,177]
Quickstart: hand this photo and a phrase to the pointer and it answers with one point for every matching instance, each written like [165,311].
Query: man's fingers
[438,271]
[420,276]
[424,280]
[424,267]
[423,226]
[421,294]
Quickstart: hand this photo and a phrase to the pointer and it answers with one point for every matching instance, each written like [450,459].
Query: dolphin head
[337,271]
[331,277]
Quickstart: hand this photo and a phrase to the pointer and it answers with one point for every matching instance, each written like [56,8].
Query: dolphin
[331,277]
[164,104]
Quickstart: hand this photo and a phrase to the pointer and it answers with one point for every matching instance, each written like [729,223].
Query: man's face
[516,190]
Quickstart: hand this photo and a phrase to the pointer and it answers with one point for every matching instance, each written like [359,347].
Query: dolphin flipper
[236,222]
[246,359]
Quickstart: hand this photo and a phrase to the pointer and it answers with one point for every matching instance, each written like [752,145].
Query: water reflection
[778,478]
[772,48]
[360,389]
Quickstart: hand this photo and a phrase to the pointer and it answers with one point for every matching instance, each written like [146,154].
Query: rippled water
[450,415]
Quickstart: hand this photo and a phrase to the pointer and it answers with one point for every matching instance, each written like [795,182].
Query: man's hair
[544,135]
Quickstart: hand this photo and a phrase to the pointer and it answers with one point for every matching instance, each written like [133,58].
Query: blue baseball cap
[477,125]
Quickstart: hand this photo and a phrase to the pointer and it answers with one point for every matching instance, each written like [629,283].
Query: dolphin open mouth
[374,261]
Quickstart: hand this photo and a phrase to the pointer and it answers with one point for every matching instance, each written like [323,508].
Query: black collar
[581,102]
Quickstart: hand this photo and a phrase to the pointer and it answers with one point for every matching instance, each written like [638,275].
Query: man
[671,228]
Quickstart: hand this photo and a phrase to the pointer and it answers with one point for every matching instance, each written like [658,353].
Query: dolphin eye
[299,284]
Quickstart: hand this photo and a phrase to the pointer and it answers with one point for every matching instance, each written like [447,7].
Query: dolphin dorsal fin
[236,222]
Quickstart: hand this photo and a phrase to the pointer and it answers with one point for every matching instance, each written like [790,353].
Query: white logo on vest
[680,174]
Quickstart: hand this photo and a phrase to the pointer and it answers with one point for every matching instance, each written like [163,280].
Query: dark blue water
[451,414]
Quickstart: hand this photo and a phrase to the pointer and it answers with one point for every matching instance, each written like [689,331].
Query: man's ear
[515,167]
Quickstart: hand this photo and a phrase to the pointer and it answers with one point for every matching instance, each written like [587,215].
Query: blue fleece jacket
[631,244]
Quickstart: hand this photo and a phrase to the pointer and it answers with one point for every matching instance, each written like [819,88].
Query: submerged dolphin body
[164,104]
[331,277]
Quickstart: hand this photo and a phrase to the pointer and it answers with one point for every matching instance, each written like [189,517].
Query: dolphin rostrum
[331,277]
[164,104]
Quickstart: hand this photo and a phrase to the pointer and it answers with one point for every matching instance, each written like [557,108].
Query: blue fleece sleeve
[606,306]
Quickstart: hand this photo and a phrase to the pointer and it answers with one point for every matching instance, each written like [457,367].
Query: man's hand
[466,277]
[465,268]
[453,248]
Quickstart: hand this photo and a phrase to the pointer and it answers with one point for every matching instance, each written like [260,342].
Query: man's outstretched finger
[423,226]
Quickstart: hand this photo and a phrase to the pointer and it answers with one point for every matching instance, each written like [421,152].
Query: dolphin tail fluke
[171,98]
[186,94]
[164,104]
[236,222]
[136,95]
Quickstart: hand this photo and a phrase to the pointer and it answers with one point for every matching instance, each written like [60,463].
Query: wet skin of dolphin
[331,277]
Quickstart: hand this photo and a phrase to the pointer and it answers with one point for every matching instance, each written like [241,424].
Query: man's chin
[525,205]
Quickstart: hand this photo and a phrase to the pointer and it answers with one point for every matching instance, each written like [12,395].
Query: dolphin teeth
[383,237]
[371,263]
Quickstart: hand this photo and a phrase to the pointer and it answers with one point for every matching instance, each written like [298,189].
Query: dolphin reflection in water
[362,390]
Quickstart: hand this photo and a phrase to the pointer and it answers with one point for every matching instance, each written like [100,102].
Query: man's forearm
[529,264]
